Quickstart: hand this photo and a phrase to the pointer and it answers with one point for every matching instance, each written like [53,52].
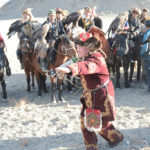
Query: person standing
[145,52]
[98,101]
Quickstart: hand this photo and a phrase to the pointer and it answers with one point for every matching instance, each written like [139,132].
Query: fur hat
[28,11]
[145,10]
[59,11]
[136,10]
[91,42]
[87,9]
[147,23]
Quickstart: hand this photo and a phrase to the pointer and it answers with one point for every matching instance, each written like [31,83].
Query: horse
[2,66]
[122,57]
[32,66]
[137,41]
[63,50]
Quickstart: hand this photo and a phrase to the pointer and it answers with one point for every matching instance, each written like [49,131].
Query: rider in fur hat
[144,15]
[98,102]
[55,29]
[134,21]
[27,30]
[86,20]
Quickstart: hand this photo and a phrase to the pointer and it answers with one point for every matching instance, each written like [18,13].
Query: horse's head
[121,44]
[2,62]
[65,47]
[26,46]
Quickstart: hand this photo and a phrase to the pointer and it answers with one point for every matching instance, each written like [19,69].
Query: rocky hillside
[13,8]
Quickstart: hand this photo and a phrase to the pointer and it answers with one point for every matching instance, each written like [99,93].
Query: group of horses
[35,58]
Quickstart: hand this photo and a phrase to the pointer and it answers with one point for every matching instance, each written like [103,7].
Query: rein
[64,48]
[100,87]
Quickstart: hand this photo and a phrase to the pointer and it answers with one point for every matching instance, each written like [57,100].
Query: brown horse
[31,66]
[64,50]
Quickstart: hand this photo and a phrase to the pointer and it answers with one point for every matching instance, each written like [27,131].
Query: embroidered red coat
[94,73]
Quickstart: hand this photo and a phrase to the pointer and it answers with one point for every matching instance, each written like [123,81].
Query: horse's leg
[53,97]
[69,84]
[28,79]
[60,89]
[132,64]
[126,67]
[3,84]
[138,70]
[44,84]
[32,74]
[117,76]
[39,83]
[74,81]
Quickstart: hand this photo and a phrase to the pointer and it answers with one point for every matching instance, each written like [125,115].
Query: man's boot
[8,70]
[19,56]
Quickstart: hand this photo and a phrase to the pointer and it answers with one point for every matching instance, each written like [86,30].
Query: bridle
[66,50]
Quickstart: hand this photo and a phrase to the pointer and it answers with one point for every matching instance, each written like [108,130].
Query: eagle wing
[118,23]
[15,27]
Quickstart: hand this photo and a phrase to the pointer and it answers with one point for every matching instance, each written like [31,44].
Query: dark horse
[135,53]
[3,62]
[64,50]
[122,57]
[31,66]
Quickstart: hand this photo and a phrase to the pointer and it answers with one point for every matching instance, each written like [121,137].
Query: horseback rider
[145,52]
[134,22]
[144,15]
[26,31]
[86,20]
[55,29]
[2,48]
[59,14]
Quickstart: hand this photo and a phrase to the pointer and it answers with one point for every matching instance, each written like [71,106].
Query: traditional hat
[87,8]
[147,23]
[88,41]
[146,10]
[28,11]
[136,10]
[59,11]
[52,12]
